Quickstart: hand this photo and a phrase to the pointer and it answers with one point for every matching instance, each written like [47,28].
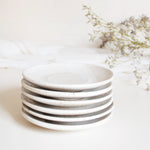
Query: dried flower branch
[126,39]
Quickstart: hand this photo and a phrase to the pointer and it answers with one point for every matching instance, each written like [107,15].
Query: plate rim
[73,87]
[60,94]
[65,127]
[59,102]
[66,112]
[67,119]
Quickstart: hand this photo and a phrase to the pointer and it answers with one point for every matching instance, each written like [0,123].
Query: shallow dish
[62,110]
[62,95]
[68,76]
[86,117]
[67,103]
[65,127]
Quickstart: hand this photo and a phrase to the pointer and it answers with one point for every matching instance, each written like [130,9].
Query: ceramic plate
[65,126]
[65,111]
[62,95]
[67,103]
[68,76]
[86,117]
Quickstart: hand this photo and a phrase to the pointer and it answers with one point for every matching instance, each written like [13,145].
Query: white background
[60,21]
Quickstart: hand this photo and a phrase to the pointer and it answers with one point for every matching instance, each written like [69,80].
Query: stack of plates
[67,96]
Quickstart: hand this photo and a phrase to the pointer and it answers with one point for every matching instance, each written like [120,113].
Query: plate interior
[67,74]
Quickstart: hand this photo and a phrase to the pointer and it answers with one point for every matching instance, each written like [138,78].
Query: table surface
[128,128]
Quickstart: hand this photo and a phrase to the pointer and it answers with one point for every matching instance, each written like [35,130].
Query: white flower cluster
[126,39]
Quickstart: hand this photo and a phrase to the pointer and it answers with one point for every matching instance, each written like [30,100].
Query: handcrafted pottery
[64,111]
[65,118]
[62,95]
[68,76]
[65,127]
[65,102]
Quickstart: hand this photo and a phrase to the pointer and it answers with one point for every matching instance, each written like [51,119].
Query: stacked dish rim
[63,96]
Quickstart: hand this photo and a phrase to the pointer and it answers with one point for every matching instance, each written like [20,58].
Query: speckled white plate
[65,102]
[62,94]
[59,118]
[65,111]
[68,76]
[54,125]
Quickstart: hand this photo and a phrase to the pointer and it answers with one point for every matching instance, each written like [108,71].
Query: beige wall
[60,21]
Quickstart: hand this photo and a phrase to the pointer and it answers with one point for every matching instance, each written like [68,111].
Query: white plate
[68,76]
[65,111]
[63,127]
[66,103]
[62,95]
[86,117]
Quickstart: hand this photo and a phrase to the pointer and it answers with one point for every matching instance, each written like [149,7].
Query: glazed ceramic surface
[68,76]
[65,126]
[63,110]
[69,118]
[67,103]
[62,95]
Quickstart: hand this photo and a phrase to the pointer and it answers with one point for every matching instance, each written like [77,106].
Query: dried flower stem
[125,39]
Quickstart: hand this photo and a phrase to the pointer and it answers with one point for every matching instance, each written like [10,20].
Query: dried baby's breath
[126,39]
